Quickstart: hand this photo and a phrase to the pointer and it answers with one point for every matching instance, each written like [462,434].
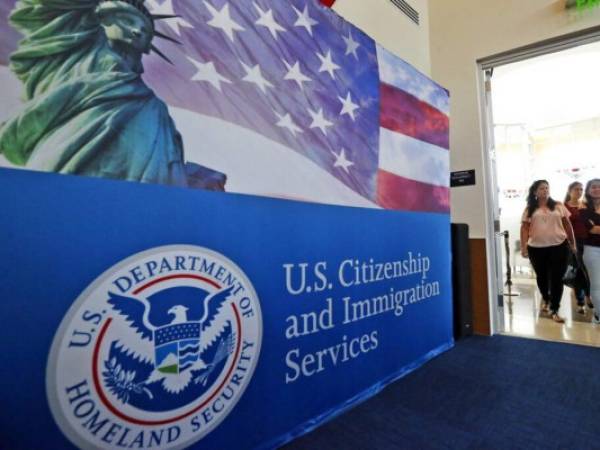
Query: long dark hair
[532,201]
[571,186]
[588,198]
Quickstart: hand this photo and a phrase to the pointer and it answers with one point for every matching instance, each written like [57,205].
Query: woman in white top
[591,219]
[545,229]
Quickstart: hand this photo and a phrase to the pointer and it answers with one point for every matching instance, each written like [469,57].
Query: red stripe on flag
[406,114]
[328,2]
[395,192]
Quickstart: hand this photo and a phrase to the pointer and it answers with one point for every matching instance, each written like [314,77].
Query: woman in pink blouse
[545,230]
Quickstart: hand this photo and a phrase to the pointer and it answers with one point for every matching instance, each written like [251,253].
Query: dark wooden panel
[479,287]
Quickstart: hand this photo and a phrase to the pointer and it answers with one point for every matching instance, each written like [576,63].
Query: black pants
[550,264]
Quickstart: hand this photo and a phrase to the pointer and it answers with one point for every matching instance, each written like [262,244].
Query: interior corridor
[523,317]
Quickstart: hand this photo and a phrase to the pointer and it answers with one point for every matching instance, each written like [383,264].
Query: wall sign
[160,317]
[140,310]
[581,5]
[462,178]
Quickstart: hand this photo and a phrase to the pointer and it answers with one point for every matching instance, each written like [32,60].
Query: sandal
[557,318]
[580,309]
[545,306]
[588,302]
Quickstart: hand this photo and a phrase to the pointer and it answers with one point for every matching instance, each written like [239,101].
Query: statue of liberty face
[128,29]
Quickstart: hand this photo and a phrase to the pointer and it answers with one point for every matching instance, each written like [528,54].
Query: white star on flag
[295,74]
[254,75]
[166,8]
[266,20]
[304,20]
[319,121]
[351,45]
[222,19]
[287,122]
[348,106]
[327,64]
[342,161]
[207,72]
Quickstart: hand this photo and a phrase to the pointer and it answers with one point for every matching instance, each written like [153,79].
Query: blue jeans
[581,293]
[591,258]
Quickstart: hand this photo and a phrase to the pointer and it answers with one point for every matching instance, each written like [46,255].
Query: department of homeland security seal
[156,352]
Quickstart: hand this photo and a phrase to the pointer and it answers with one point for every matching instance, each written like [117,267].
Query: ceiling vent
[408,10]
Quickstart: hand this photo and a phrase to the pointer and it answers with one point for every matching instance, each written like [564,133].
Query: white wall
[463,31]
[385,23]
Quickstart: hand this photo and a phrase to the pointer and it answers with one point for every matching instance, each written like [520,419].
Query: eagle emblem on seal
[175,345]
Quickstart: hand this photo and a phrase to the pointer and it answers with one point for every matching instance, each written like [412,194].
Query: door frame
[552,45]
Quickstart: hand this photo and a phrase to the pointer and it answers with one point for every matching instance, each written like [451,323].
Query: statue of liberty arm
[87,110]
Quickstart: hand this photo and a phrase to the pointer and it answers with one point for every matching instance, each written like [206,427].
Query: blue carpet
[486,393]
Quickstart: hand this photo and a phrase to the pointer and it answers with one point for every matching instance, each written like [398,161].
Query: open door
[535,126]
[495,244]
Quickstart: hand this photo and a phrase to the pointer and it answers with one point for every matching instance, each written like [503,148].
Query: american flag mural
[289,100]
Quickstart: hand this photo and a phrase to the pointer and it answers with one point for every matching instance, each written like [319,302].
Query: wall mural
[165,288]
[216,95]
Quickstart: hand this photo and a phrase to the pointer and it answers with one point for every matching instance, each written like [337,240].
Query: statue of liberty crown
[139,5]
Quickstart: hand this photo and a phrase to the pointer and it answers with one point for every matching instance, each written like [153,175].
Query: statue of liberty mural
[87,110]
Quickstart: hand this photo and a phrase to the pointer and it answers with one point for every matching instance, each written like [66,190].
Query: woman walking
[545,229]
[575,206]
[591,254]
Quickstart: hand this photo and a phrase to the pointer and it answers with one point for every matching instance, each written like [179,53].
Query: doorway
[542,121]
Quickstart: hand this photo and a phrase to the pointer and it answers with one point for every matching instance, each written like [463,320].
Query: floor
[487,393]
[523,316]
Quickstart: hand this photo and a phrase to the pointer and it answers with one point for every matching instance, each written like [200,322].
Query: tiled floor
[523,317]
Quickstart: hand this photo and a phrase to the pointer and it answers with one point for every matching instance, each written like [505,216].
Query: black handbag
[575,275]
[570,275]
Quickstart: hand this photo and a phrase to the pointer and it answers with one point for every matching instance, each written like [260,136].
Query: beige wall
[462,31]
[385,23]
